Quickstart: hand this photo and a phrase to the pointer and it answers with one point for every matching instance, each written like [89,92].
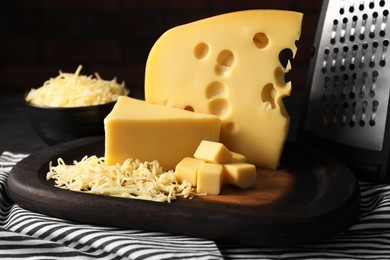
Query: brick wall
[112,37]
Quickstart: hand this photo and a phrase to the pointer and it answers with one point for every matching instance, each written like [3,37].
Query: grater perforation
[349,88]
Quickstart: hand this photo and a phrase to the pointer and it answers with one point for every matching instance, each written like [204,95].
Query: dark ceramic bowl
[56,125]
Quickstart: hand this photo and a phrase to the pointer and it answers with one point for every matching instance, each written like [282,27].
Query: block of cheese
[214,152]
[140,130]
[237,157]
[187,169]
[242,175]
[235,171]
[230,66]
[209,178]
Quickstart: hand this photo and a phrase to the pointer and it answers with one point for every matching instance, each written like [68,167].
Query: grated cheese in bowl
[75,90]
[132,179]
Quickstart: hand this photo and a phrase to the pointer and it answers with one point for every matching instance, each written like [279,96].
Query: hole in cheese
[201,50]
[215,89]
[268,95]
[260,40]
[189,108]
[285,57]
[225,62]
[219,107]
[280,77]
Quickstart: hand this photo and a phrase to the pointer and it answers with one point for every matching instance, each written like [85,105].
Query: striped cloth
[29,235]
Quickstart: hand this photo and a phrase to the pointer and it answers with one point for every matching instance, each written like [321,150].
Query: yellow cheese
[237,157]
[75,90]
[187,169]
[242,175]
[204,171]
[214,152]
[209,178]
[229,66]
[140,130]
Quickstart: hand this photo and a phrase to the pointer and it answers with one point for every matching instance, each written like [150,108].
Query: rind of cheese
[229,66]
[242,175]
[187,169]
[209,178]
[140,130]
[214,152]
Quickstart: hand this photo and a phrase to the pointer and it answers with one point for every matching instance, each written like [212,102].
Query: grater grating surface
[349,89]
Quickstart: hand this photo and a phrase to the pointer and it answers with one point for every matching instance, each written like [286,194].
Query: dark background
[113,37]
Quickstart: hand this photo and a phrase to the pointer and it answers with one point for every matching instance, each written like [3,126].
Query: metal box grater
[347,108]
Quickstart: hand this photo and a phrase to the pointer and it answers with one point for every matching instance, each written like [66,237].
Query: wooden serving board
[311,197]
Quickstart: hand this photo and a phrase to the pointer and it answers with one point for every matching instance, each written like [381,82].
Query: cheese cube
[237,157]
[140,130]
[242,175]
[214,152]
[187,169]
[228,65]
[209,178]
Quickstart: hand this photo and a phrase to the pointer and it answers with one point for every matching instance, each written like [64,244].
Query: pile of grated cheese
[132,179]
[75,90]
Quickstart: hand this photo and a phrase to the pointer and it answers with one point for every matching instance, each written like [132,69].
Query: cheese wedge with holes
[229,66]
[140,130]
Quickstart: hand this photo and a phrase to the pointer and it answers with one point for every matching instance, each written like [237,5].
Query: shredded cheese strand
[75,90]
[132,179]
